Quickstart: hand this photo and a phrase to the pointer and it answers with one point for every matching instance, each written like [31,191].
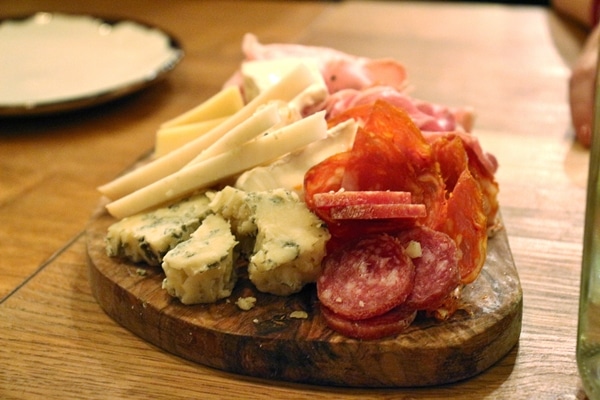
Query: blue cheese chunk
[147,237]
[290,242]
[201,269]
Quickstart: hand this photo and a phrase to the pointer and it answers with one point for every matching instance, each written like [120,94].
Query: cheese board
[286,339]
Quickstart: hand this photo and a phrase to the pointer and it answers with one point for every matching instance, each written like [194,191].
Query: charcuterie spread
[314,167]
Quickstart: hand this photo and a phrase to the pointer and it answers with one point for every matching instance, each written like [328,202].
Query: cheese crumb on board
[246,303]
[147,237]
[299,315]
[201,269]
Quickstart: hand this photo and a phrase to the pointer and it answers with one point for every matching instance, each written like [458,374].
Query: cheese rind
[149,236]
[206,173]
[201,269]
[223,104]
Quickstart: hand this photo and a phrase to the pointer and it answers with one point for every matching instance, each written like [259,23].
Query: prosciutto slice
[340,70]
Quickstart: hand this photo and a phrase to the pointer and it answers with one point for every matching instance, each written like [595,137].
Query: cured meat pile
[372,286]
[408,207]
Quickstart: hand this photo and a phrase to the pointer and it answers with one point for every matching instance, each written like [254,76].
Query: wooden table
[509,62]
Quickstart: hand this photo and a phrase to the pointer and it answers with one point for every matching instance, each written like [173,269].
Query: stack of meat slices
[408,217]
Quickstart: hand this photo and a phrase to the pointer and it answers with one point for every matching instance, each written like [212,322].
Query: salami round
[436,269]
[366,277]
[391,323]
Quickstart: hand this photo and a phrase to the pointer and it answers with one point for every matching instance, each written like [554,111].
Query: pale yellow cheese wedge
[206,173]
[169,139]
[223,104]
[286,89]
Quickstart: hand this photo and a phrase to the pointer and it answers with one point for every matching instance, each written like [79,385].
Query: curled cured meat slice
[390,153]
[391,323]
[366,277]
[466,223]
[436,268]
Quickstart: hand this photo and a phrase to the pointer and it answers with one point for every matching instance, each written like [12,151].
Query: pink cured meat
[366,277]
[427,116]
[436,270]
[391,323]
[339,70]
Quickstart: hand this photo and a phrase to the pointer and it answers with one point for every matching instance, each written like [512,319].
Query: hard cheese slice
[213,170]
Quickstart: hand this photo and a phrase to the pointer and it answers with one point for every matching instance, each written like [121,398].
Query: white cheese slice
[169,139]
[260,75]
[201,269]
[287,89]
[242,133]
[206,173]
[288,172]
[223,104]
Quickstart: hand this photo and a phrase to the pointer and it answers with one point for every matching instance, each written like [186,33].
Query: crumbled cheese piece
[149,236]
[299,314]
[290,243]
[201,269]
[246,303]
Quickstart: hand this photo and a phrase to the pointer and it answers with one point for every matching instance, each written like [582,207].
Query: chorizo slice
[466,223]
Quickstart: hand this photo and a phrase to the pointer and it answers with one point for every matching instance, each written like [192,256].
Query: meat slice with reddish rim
[436,267]
[366,277]
[379,211]
[350,198]
[391,323]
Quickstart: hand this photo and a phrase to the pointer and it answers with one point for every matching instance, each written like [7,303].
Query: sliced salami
[366,277]
[379,211]
[391,323]
[436,269]
[352,198]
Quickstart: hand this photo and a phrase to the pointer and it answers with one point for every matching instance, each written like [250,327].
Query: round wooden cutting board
[268,342]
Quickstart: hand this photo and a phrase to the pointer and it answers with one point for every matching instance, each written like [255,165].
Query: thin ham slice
[340,70]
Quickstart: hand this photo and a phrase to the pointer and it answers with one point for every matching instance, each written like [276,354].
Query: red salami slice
[366,277]
[436,269]
[351,198]
[391,323]
[379,211]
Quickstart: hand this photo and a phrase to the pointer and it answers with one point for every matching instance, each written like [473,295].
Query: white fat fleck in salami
[436,270]
[366,277]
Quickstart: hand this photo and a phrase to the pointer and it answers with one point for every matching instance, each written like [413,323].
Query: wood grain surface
[267,342]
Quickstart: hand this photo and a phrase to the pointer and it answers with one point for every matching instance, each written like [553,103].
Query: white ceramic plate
[59,62]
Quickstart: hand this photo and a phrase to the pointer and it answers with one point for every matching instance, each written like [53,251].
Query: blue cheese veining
[288,241]
[147,237]
[201,269]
